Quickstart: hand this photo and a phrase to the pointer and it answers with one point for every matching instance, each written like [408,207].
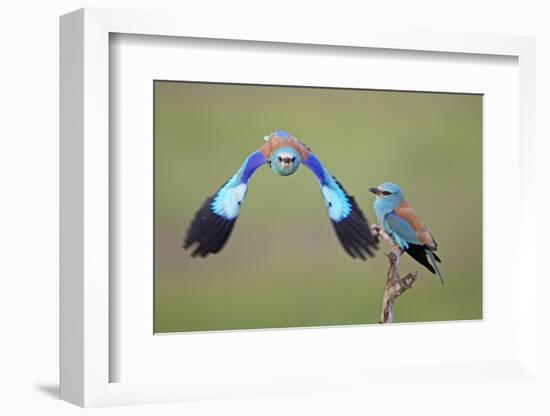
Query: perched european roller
[404,226]
[213,223]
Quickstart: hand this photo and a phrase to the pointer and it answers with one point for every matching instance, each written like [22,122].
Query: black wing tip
[354,244]
[354,231]
[355,234]
[418,252]
[208,232]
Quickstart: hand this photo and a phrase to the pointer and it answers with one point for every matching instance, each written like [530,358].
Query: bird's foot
[379,232]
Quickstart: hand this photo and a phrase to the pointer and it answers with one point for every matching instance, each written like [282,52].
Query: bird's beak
[375,191]
[287,161]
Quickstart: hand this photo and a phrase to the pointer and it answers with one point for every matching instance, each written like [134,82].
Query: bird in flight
[214,221]
[404,226]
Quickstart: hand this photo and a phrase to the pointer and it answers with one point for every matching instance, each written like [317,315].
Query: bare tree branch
[395,285]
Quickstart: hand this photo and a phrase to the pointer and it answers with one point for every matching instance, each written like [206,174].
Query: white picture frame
[86,355]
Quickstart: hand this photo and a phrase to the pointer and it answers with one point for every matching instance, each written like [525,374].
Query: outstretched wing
[407,237]
[349,223]
[214,221]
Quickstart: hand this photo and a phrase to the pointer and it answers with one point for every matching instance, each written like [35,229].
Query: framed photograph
[242,215]
[424,141]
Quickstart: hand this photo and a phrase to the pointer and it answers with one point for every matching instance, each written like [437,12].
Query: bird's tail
[433,257]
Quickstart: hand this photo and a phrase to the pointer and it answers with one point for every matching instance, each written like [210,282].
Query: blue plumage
[282,133]
[215,220]
[404,226]
[400,230]
[348,220]
[227,201]
[337,202]
[285,160]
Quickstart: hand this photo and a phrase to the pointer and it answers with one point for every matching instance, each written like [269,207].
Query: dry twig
[395,285]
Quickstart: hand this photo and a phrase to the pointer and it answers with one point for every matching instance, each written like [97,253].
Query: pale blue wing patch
[227,201]
[350,225]
[401,231]
[214,221]
[336,201]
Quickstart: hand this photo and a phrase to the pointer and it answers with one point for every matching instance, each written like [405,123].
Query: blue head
[285,160]
[388,197]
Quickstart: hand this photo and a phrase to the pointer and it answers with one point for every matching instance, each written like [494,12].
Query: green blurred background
[283,265]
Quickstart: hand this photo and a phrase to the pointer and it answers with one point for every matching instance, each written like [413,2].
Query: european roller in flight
[404,226]
[214,221]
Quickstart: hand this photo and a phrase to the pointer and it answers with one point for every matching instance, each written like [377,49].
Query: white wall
[29,57]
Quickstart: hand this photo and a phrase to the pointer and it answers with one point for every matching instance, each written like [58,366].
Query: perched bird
[406,228]
[213,223]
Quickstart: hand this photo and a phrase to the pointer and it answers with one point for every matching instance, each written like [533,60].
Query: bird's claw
[379,232]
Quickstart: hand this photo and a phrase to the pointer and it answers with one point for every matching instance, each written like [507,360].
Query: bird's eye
[386,193]
[293,159]
[280,159]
